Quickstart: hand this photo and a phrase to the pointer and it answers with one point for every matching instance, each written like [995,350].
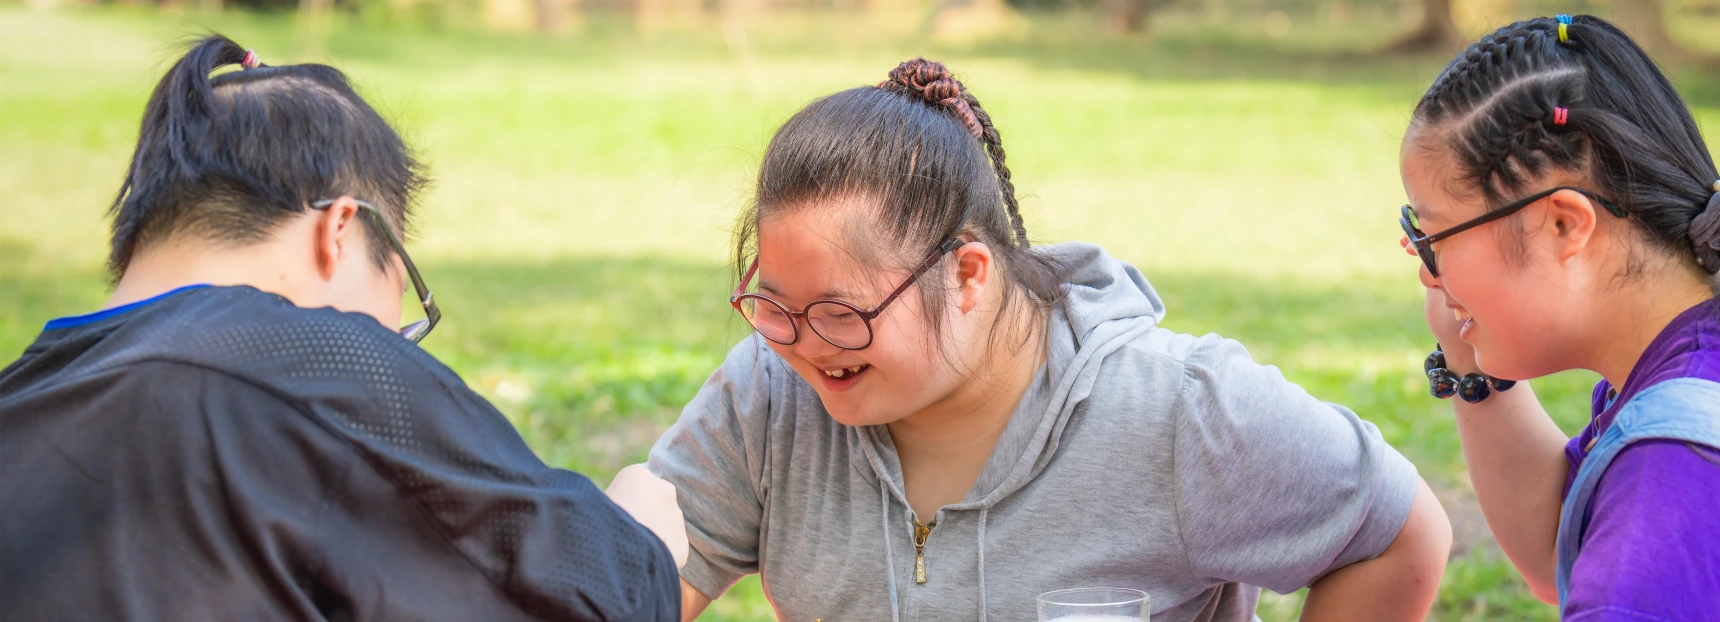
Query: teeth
[845,372]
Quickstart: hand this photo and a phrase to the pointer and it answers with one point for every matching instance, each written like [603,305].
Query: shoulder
[156,385]
[1685,408]
[149,409]
[266,340]
[343,371]
[1205,366]
[1650,546]
[1652,476]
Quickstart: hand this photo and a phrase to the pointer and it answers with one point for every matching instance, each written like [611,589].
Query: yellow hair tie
[1564,25]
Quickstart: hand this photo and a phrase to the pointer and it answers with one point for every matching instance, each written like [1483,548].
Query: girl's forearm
[1516,458]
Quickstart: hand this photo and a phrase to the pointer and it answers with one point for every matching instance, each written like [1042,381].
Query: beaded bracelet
[1472,388]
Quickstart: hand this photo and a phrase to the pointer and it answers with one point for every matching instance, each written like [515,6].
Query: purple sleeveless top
[1652,550]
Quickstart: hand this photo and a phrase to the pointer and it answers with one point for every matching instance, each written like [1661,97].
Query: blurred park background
[590,156]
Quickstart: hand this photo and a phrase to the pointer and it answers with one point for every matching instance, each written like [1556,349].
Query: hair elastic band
[1561,115]
[1705,233]
[1564,26]
[250,61]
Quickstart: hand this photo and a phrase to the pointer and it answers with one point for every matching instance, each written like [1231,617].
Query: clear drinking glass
[1094,604]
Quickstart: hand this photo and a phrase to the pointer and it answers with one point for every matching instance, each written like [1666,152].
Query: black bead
[1501,384]
[1473,388]
[1434,361]
[1441,382]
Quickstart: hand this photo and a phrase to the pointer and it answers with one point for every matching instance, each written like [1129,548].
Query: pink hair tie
[1561,115]
[250,61]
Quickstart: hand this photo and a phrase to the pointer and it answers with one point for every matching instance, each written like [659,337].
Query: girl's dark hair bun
[931,81]
[1705,233]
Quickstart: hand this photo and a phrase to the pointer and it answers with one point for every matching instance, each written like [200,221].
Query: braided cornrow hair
[931,81]
[1576,94]
[924,156]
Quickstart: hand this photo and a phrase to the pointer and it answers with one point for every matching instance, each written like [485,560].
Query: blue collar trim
[89,318]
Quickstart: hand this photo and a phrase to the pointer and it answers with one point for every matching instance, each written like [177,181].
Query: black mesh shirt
[221,454]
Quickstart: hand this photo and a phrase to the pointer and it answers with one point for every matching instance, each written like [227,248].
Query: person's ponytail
[228,156]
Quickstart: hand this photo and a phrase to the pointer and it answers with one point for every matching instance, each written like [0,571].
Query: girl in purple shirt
[1567,215]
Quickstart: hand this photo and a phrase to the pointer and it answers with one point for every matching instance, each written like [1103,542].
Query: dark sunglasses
[839,323]
[1423,242]
[415,331]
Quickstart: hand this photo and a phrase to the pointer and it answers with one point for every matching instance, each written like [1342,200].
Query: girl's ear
[973,273]
[1573,218]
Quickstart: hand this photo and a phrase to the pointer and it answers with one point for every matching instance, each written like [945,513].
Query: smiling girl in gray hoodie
[936,421]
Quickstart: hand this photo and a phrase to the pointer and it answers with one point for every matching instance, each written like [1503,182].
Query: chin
[852,417]
[1511,368]
[855,415]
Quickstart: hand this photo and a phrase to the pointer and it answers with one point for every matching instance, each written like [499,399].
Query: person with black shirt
[238,436]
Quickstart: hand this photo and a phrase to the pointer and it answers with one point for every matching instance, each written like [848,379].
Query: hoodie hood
[1106,303]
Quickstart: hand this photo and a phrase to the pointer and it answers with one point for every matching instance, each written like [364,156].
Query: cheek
[1519,310]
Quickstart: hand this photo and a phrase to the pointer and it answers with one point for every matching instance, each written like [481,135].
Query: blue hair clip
[1564,26]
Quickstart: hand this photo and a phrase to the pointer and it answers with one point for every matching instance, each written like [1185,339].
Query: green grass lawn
[585,189]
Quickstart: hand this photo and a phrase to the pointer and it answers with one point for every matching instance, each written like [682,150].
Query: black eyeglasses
[415,331]
[839,323]
[1423,243]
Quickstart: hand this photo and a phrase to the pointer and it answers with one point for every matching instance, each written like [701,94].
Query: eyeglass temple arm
[937,254]
[747,280]
[427,298]
[1484,219]
[1513,208]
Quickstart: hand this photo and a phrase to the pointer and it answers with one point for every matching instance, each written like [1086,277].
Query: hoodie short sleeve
[1276,488]
[715,457]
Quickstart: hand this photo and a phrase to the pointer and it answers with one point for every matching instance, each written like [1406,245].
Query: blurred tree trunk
[311,34]
[970,20]
[314,9]
[1645,20]
[1127,17]
[1437,32]
[1479,17]
[735,16]
[548,15]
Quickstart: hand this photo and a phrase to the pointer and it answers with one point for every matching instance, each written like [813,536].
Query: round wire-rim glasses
[415,331]
[838,323]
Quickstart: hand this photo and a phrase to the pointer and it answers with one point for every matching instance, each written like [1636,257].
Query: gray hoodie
[1139,458]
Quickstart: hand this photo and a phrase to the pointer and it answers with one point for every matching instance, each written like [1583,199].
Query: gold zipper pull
[921,532]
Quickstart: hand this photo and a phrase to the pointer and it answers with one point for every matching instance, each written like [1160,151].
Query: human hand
[1459,355]
[651,501]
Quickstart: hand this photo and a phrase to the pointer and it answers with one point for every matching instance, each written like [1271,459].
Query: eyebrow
[765,286]
[1422,212]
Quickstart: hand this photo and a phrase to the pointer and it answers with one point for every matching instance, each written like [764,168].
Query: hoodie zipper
[921,532]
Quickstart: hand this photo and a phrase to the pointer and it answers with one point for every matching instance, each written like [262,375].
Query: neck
[969,422]
[173,264]
[1624,333]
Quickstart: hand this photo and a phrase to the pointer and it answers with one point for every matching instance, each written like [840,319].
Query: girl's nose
[1428,280]
[811,346]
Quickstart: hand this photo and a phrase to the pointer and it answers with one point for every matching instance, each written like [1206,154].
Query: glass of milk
[1094,604]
